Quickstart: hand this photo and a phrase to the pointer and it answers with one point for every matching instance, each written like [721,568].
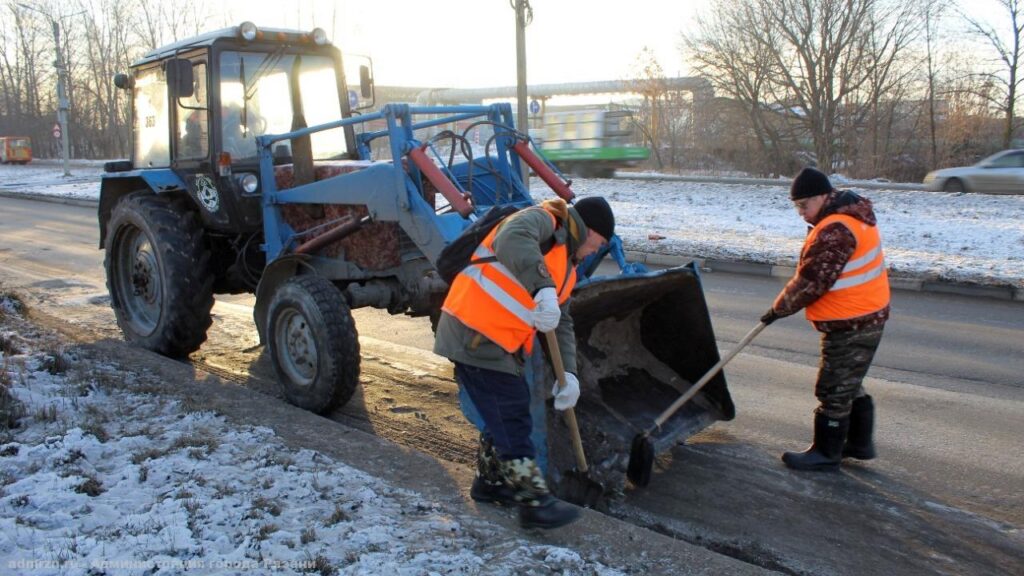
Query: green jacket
[517,245]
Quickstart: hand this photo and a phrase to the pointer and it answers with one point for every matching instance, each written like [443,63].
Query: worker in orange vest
[518,284]
[842,284]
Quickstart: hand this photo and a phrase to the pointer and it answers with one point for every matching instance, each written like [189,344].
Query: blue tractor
[252,170]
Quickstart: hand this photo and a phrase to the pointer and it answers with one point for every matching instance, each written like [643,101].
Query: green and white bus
[589,143]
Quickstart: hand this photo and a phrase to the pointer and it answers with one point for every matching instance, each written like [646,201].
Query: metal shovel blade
[580,489]
[641,461]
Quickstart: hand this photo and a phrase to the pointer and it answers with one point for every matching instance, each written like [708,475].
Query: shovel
[641,453]
[577,486]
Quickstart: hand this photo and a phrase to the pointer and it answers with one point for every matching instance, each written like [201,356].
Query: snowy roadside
[968,238]
[100,474]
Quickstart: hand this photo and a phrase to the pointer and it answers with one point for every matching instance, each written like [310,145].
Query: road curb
[906,283]
[897,282]
[85,203]
[783,182]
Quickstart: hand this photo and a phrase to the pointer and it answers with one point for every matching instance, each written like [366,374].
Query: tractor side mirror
[179,77]
[122,80]
[365,82]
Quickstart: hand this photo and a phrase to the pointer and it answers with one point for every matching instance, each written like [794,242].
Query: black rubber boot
[860,443]
[537,507]
[489,485]
[826,452]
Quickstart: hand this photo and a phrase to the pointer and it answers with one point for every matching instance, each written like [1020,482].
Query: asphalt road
[944,496]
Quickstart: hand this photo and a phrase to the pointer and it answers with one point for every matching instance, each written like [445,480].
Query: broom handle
[706,378]
[570,414]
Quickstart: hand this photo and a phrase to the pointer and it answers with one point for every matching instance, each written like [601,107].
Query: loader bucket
[641,340]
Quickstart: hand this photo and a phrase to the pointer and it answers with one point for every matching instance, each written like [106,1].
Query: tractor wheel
[158,273]
[313,343]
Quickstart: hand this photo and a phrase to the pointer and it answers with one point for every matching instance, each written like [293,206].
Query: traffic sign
[534,107]
[353,98]
[56,131]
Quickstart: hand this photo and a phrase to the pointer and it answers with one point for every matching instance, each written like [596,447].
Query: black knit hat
[809,182]
[597,215]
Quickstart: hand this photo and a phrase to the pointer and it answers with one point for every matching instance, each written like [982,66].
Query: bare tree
[740,66]
[1008,51]
[932,15]
[819,63]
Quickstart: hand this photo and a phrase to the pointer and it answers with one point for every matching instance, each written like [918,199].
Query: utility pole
[62,99]
[524,15]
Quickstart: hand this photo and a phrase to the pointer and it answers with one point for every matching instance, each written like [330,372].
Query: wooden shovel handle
[671,410]
[570,414]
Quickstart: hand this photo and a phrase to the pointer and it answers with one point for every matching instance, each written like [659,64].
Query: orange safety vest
[488,298]
[863,285]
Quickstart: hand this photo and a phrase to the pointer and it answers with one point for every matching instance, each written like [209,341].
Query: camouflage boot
[537,507]
[489,485]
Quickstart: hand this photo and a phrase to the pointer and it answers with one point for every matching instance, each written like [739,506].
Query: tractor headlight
[319,36]
[248,183]
[247,31]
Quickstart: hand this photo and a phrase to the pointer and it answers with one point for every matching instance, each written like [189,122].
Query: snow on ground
[101,479]
[958,237]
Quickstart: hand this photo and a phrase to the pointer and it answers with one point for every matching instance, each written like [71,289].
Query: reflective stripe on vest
[863,285]
[488,298]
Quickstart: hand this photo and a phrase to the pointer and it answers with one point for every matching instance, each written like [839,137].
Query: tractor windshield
[263,93]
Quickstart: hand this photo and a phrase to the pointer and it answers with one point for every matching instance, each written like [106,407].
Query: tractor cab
[198,106]
[202,102]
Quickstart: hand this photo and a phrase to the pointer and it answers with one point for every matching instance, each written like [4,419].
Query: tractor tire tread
[343,343]
[178,239]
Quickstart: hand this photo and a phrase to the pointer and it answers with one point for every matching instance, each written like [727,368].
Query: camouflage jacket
[517,245]
[823,261]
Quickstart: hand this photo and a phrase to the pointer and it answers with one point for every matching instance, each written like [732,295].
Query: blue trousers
[501,401]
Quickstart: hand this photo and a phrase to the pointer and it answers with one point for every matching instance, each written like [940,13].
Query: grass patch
[148,454]
[56,361]
[9,344]
[265,531]
[11,303]
[318,565]
[308,535]
[11,409]
[224,490]
[95,418]
[46,413]
[202,442]
[337,516]
[90,487]
[262,506]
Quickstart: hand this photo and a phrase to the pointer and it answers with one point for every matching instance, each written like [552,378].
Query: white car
[1001,173]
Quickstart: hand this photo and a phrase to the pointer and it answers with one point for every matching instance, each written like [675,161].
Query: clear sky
[471,43]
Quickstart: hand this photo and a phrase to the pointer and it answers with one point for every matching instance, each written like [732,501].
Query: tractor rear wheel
[313,343]
[158,273]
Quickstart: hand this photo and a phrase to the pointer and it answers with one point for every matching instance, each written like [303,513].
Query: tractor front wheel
[158,273]
[313,343]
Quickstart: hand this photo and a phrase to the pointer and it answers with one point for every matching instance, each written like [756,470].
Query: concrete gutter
[908,283]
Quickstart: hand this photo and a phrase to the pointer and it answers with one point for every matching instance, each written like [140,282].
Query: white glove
[566,397]
[547,314]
